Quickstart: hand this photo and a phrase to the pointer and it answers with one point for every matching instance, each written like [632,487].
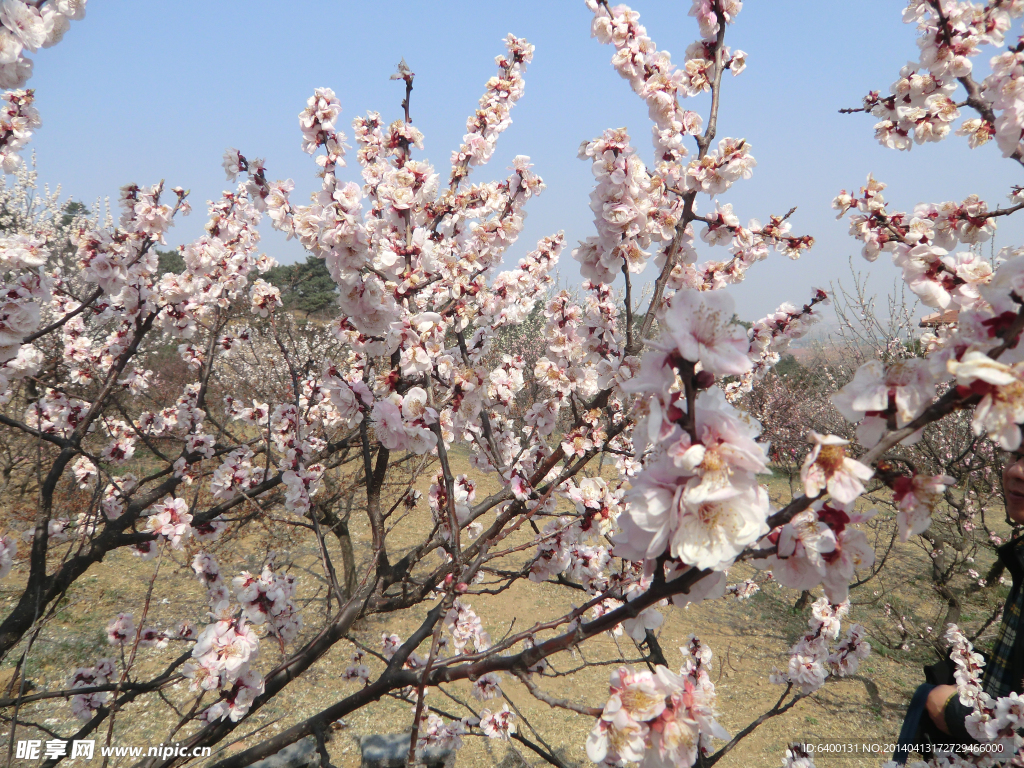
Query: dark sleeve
[955,714]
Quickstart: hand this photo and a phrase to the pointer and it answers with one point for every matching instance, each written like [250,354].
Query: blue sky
[143,91]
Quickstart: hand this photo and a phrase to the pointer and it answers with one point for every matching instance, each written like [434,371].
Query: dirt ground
[748,637]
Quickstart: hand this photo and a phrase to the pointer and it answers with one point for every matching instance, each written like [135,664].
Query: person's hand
[936,705]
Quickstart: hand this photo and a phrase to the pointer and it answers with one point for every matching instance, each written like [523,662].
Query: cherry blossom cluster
[993,720]
[715,173]
[85,705]
[654,77]
[207,570]
[819,546]
[26,287]
[357,670]
[390,645]
[999,385]
[554,545]
[498,725]
[813,659]
[597,503]
[27,27]
[121,630]
[486,687]
[317,122]
[54,412]
[513,294]
[744,589]
[237,471]
[292,428]
[421,261]
[877,395]
[670,192]
[493,114]
[302,484]
[828,467]
[561,370]
[920,107]
[659,717]
[920,244]
[269,600]
[18,118]
[1001,88]
[977,346]
[988,303]
[404,421]
[916,497]
[463,494]
[265,298]
[436,734]
[218,266]
[771,336]
[748,245]
[634,584]
[221,662]
[465,626]
[706,13]
[968,672]
[170,521]
[621,202]
[698,496]
[797,756]
[58,530]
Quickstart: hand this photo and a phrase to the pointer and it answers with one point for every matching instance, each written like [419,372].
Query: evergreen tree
[306,286]
[170,261]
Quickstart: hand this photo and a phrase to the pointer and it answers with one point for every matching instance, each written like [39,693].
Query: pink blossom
[916,498]
[1002,388]
[171,521]
[121,630]
[827,466]
[698,326]
[904,389]
[498,725]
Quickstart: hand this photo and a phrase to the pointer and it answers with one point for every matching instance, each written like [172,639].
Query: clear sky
[143,90]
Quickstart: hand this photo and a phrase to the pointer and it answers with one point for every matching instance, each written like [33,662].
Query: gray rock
[391,750]
[301,754]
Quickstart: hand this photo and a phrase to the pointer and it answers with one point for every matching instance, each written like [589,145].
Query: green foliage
[745,323]
[914,347]
[170,261]
[71,210]
[789,366]
[306,286]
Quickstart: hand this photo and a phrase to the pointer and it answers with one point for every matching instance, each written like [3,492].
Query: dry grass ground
[748,638]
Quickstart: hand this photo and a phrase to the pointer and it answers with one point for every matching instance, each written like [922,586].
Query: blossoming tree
[358,416]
